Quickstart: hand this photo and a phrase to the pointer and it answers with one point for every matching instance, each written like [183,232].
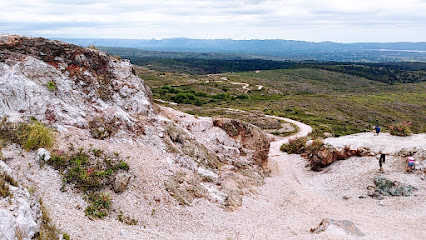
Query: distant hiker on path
[377,128]
[381,157]
[410,164]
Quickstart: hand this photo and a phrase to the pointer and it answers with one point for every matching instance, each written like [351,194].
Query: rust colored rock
[250,136]
[327,155]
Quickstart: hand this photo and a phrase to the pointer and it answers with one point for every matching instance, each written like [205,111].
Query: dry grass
[35,135]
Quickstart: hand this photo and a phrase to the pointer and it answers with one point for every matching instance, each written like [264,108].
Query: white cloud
[324,20]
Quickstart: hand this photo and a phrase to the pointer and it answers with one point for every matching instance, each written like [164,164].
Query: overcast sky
[308,20]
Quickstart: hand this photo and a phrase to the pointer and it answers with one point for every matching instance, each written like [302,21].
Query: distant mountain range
[281,49]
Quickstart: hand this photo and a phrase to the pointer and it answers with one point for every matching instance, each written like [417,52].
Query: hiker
[410,164]
[381,157]
[377,128]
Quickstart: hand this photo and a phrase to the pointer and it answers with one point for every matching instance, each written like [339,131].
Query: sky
[307,20]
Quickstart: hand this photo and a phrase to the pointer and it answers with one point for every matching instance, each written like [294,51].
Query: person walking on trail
[377,128]
[382,158]
[410,164]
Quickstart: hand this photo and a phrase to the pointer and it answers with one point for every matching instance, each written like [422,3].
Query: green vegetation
[400,129]
[99,205]
[329,101]
[89,171]
[35,135]
[294,145]
[30,135]
[51,86]
[128,220]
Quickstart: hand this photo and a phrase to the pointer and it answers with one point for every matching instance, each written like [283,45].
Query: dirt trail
[295,199]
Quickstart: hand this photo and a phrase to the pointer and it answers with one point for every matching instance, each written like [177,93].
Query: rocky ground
[191,177]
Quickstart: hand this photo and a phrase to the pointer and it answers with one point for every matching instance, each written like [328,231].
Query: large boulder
[326,155]
[387,187]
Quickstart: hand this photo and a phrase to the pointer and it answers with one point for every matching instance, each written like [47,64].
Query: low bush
[400,129]
[89,171]
[315,146]
[295,145]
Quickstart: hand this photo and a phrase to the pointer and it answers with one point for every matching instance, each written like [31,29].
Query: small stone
[121,181]
[380,197]
[123,233]
[42,155]
[346,197]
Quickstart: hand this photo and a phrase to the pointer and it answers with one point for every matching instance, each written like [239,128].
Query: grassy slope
[329,101]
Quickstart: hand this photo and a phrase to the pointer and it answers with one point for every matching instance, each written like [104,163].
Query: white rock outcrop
[64,84]
[19,211]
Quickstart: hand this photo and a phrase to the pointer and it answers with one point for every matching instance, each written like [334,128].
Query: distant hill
[282,49]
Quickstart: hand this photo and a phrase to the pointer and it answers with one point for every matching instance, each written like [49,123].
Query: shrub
[295,145]
[315,146]
[242,96]
[89,171]
[51,86]
[400,129]
[35,135]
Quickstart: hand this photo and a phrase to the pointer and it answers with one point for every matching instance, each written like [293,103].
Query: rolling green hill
[330,101]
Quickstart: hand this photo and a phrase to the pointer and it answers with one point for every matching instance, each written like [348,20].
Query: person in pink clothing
[410,164]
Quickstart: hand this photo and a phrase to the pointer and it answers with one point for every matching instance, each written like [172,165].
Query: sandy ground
[293,199]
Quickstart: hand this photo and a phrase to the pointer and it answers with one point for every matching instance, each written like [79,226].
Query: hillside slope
[101,114]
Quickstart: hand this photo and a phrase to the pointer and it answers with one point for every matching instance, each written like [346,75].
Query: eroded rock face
[250,136]
[64,84]
[327,155]
[224,165]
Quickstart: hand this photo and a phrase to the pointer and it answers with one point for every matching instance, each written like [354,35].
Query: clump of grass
[35,135]
[4,188]
[126,219]
[89,171]
[93,47]
[294,145]
[51,85]
[400,129]
[5,181]
[48,230]
[99,205]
